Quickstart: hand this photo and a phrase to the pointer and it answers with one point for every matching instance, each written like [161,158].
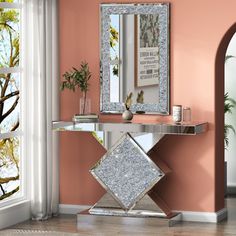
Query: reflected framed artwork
[147,50]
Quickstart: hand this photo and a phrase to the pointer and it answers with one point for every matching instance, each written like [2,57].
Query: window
[11,138]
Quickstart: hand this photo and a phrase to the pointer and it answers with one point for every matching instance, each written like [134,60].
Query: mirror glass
[134,57]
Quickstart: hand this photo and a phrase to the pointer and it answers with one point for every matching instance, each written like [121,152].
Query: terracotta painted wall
[197,27]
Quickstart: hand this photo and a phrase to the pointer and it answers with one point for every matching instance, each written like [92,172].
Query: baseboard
[211,217]
[231,190]
[14,214]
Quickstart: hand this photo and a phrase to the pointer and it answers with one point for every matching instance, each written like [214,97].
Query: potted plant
[229,104]
[78,78]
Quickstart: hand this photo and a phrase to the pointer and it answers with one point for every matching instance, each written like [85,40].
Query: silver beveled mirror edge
[106,9]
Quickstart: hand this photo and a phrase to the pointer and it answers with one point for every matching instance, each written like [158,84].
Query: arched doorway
[219,106]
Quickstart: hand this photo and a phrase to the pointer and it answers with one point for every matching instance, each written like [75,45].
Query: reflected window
[115,57]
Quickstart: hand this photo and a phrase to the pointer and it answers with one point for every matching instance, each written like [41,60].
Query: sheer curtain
[41,53]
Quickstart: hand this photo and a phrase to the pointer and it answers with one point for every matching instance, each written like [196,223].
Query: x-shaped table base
[128,174]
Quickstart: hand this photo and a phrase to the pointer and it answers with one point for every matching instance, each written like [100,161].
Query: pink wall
[197,27]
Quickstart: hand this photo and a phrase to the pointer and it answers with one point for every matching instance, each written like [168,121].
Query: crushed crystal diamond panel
[126,172]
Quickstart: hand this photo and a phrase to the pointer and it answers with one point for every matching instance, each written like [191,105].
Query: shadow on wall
[219,110]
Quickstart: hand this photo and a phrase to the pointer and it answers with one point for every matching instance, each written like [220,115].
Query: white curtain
[41,53]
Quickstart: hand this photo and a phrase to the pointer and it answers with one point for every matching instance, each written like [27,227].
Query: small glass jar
[177,113]
[186,114]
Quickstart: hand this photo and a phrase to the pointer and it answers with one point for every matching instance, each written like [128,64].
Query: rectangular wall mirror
[135,57]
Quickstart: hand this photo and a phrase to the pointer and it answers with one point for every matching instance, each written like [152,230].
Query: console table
[126,171]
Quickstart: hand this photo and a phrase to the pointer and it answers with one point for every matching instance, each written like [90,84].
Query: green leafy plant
[77,78]
[229,104]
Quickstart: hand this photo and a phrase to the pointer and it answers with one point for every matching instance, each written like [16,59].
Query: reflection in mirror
[146,140]
[143,77]
[115,61]
[137,59]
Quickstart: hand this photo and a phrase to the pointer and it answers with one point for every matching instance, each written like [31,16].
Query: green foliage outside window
[9,101]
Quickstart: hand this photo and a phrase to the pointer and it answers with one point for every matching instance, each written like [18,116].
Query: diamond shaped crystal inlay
[126,172]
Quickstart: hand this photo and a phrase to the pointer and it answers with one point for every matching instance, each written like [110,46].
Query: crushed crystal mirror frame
[134,57]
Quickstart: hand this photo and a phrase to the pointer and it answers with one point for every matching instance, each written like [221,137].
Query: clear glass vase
[85,106]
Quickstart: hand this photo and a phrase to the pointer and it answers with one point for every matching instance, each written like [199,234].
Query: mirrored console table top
[192,128]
